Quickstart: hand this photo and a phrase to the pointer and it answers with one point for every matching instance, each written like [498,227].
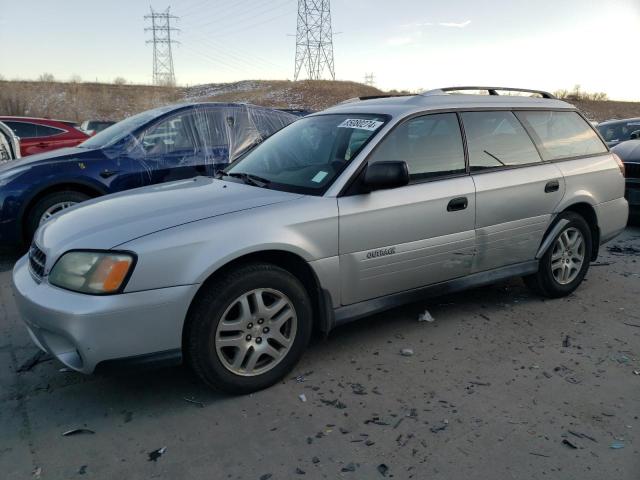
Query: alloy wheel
[256,332]
[568,256]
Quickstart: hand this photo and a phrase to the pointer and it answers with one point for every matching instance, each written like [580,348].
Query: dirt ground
[502,385]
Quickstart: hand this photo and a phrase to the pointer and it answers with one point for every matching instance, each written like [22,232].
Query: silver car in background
[347,212]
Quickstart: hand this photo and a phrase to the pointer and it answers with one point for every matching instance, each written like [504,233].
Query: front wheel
[48,206]
[249,328]
[565,263]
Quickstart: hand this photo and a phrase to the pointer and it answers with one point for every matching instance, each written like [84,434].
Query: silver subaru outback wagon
[347,212]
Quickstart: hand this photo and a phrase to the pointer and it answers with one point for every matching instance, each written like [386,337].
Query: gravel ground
[501,385]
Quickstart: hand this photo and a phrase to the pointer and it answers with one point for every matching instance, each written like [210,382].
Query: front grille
[632,170]
[37,261]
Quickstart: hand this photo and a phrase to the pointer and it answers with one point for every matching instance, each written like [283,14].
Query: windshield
[117,131]
[308,155]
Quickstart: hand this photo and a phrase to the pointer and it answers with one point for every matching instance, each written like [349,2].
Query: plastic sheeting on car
[202,137]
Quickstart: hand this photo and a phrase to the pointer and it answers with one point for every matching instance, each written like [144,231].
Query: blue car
[168,143]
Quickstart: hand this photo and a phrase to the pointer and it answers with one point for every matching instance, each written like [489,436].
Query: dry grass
[81,101]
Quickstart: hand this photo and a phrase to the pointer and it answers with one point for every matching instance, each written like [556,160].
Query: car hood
[58,155]
[107,222]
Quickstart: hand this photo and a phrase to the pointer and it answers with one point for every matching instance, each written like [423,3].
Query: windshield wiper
[496,158]
[249,179]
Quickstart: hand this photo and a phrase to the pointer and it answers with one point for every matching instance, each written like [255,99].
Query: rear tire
[48,205]
[248,329]
[566,262]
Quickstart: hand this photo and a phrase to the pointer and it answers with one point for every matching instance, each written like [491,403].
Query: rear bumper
[612,218]
[84,330]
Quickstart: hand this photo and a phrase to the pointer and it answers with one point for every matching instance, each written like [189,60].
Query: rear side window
[431,145]
[23,129]
[562,134]
[497,139]
[45,131]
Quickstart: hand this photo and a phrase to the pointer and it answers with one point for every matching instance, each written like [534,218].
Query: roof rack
[373,97]
[490,90]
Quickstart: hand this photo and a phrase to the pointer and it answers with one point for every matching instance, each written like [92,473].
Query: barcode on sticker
[361,124]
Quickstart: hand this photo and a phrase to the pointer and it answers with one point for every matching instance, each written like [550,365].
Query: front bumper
[84,330]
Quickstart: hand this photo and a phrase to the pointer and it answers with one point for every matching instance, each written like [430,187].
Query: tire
[225,340]
[565,275]
[34,217]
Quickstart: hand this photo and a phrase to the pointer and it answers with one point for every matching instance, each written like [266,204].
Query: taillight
[620,163]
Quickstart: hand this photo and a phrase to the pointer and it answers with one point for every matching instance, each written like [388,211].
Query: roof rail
[373,97]
[490,90]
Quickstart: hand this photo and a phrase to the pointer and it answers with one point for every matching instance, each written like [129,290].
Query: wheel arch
[292,263]
[585,210]
[75,186]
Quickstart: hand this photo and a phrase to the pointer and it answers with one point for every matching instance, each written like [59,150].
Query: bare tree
[46,77]
[120,81]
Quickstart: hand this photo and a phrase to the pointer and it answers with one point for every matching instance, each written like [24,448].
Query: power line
[314,39]
[163,73]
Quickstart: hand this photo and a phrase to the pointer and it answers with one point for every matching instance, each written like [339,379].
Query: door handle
[42,144]
[552,186]
[458,203]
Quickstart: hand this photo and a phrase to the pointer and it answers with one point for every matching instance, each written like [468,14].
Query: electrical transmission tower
[314,39]
[369,79]
[162,58]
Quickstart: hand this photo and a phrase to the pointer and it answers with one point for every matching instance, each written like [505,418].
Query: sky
[407,44]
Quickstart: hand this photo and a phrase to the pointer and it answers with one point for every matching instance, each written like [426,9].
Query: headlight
[95,273]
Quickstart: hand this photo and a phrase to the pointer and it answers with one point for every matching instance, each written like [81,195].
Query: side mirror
[635,135]
[384,175]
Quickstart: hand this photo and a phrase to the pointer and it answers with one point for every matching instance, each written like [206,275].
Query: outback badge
[382,252]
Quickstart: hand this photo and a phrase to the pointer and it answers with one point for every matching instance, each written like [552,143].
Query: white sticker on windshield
[319,176]
[361,124]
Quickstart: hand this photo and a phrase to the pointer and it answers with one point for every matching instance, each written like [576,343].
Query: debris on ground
[37,472]
[426,317]
[82,470]
[334,403]
[351,467]
[439,428]
[266,476]
[77,431]
[406,352]
[302,397]
[35,359]
[194,401]
[581,435]
[636,372]
[383,469]
[358,389]
[156,454]
[626,250]
[299,471]
[315,460]
[616,445]
[567,341]
[569,444]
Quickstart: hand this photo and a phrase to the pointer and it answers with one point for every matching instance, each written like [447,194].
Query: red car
[42,135]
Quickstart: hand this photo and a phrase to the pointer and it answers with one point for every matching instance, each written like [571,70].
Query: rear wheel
[48,206]
[249,328]
[565,263]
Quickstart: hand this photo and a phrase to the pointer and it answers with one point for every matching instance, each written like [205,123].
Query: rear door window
[23,129]
[497,139]
[431,145]
[562,134]
[46,131]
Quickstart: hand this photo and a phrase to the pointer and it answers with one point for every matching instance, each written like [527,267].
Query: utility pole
[369,79]
[314,39]
[161,29]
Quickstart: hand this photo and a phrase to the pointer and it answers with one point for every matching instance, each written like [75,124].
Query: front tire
[566,262]
[249,328]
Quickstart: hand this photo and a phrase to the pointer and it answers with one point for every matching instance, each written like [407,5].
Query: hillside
[81,101]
